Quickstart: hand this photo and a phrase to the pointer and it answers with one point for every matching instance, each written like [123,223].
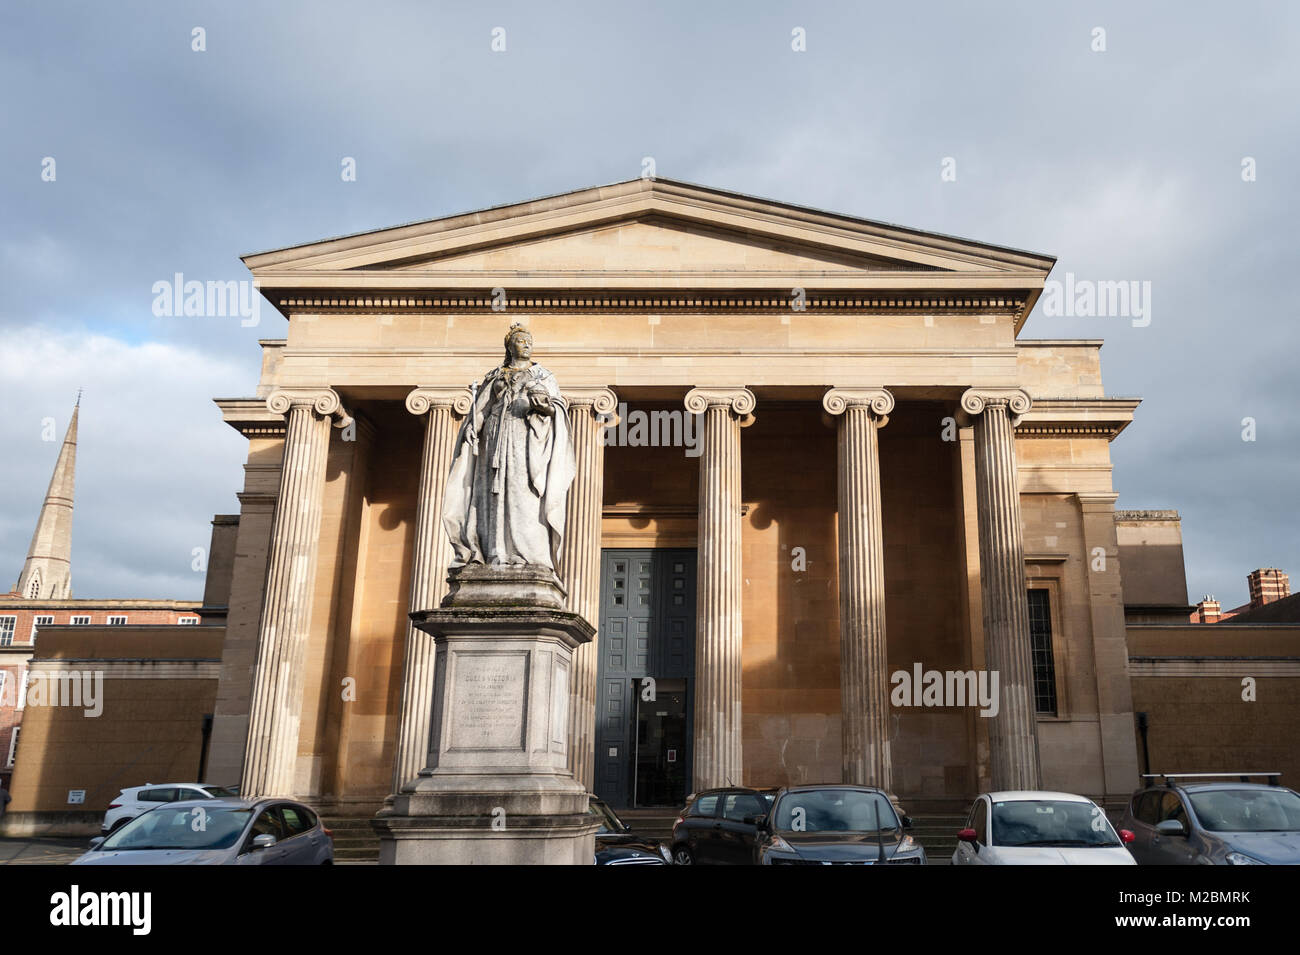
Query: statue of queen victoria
[512,466]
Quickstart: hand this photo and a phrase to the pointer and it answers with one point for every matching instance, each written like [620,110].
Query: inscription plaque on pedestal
[488,701]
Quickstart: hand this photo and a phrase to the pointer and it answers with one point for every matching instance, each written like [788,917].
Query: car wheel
[683,856]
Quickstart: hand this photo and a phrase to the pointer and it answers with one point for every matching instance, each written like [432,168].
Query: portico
[883,469]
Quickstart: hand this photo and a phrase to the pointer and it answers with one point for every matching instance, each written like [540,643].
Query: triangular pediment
[647,234]
[656,244]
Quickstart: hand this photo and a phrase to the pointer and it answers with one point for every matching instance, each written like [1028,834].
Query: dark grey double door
[644,679]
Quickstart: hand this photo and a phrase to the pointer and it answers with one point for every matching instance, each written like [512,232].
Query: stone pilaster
[718,758]
[864,658]
[1117,738]
[442,408]
[1013,735]
[271,752]
[591,410]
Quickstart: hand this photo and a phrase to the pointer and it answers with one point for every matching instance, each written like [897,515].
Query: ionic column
[591,410]
[442,409]
[864,658]
[1013,734]
[271,751]
[718,760]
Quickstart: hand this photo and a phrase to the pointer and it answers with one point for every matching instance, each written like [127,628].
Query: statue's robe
[506,493]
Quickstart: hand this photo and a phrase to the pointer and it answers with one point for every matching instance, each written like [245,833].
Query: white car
[130,803]
[1040,828]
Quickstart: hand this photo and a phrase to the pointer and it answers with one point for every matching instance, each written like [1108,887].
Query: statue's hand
[541,402]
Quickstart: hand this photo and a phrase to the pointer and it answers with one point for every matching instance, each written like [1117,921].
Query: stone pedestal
[496,790]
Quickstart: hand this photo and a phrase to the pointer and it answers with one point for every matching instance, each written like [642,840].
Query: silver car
[1219,823]
[218,832]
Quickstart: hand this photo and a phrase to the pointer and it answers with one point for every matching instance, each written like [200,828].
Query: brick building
[43,597]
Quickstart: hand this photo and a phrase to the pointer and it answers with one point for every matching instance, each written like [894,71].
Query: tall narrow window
[35,590]
[1040,638]
[13,747]
[7,627]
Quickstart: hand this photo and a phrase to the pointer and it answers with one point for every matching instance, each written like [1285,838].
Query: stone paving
[40,851]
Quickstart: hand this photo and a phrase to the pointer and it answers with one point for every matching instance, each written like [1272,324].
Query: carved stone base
[496,789]
[508,585]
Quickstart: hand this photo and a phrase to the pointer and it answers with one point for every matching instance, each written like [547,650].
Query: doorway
[646,646]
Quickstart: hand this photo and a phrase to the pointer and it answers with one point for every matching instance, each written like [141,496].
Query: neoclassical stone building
[812,453]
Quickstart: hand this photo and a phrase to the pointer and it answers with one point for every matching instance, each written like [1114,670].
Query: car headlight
[780,845]
[1239,858]
[668,856]
[907,845]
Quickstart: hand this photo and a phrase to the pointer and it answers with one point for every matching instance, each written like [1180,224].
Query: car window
[1146,807]
[165,794]
[739,805]
[295,820]
[833,810]
[1171,807]
[1247,810]
[179,828]
[216,792]
[267,822]
[704,806]
[1050,822]
[979,822]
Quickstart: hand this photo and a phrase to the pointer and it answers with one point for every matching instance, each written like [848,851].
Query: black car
[616,844]
[835,825]
[717,826]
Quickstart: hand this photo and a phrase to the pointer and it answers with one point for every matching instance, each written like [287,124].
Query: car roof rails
[1172,779]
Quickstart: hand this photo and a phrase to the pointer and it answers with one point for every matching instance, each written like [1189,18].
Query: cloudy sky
[1125,163]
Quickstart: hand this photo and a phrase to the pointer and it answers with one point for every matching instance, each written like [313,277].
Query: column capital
[838,400]
[739,400]
[422,399]
[601,403]
[324,401]
[975,400]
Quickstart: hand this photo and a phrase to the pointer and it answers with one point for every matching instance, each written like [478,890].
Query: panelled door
[644,681]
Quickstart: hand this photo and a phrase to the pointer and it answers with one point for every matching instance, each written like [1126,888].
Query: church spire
[47,574]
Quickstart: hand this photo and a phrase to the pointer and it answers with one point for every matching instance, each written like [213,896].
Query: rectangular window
[40,622]
[7,626]
[192,621]
[116,621]
[1040,639]
[13,747]
[81,621]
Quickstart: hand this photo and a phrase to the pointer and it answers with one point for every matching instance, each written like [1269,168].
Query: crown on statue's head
[518,328]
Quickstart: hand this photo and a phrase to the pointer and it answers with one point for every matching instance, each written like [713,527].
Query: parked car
[616,844]
[1185,822]
[834,825]
[1040,828]
[717,826]
[130,803]
[225,831]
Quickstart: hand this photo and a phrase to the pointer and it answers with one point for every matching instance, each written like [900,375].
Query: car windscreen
[833,810]
[608,821]
[180,828]
[1247,810]
[1049,822]
[217,792]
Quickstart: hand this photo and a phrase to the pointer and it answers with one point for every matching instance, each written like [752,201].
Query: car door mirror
[1171,827]
[967,835]
[1126,836]
[96,842]
[758,822]
[907,822]
[263,841]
